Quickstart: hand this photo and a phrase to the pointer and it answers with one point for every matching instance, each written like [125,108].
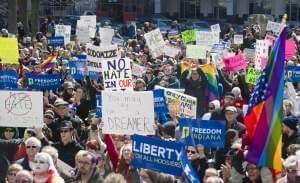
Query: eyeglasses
[11,174]
[64,131]
[190,151]
[32,147]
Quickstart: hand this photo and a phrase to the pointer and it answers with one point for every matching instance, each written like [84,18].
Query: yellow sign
[9,52]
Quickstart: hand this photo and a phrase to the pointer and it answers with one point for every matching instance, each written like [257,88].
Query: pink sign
[290,49]
[235,63]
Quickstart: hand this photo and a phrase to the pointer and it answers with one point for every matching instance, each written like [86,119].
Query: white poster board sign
[261,54]
[106,35]
[96,53]
[188,104]
[215,28]
[128,113]
[138,70]
[117,74]
[155,42]
[197,51]
[238,39]
[82,32]
[21,109]
[207,38]
[171,50]
[65,31]
[89,20]
[274,27]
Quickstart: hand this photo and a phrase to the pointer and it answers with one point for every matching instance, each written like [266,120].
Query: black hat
[91,114]
[291,122]
[169,128]
[59,102]
[65,124]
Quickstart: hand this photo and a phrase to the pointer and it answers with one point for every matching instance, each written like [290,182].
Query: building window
[293,10]
[260,6]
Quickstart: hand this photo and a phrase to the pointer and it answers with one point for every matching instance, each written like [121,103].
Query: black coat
[293,139]
[200,165]
[197,89]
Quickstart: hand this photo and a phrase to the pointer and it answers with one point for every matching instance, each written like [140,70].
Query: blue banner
[156,154]
[118,41]
[76,69]
[209,133]
[98,106]
[81,58]
[216,48]
[56,41]
[189,173]
[293,74]
[160,104]
[8,79]
[43,81]
[94,75]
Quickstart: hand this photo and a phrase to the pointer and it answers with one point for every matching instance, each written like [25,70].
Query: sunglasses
[190,151]
[32,147]
[64,131]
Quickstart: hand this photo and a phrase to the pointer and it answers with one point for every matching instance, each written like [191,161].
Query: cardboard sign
[8,79]
[21,109]
[157,155]
[209,133]
[290,49]
[64,31]
[117,74]
[215,28]
[106,35]
[197,51]
[188,36]
[238,39]
[138,70]
[171,50]
[187,103]
[207,38]
[261,54]
[155,42]
[252,75]
[235,63]
[95,54]
[128,112]
[9,51]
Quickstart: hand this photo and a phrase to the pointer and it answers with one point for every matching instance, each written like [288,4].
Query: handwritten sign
[238,39]
[64,31]
[207,38]
[261,54]
[155,42]
[196,51]
[82,32]
[117,74]
[188,36]
[215,28]
[171,50]
[21,108]
[274,27]
[138,70]
[235,63]
[290,49]
[252,75]
[128,112]
[106,35]
[249,54]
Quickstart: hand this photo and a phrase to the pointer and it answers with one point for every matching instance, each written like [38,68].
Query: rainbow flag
[211,76]
[264,116]
[50,62]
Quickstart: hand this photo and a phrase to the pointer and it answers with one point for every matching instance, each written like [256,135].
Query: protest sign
[293,74]
[261,54]
[171,50]
[77,69]
[160,103]
[65,31]
[21,109]
[157,155]
[106,35]
[196,51]
[8,79]
[270,39]
[43,81]
[96,53]
[118,41]
[98,106]
[9,51]
[290,49]
[207,38]
[81,58]
[189,173]
[249,54]
[217,60]
[155,42]
[238,39]
[117,74]
[218,48]
[93,75]
[209,133]
[188,104]
[188,36]
[235,63]
[173,34]
[82,32]
[252,75]
[138,70]
[89,20]
[215,28]
[274,27]
[128,112]
[56,41]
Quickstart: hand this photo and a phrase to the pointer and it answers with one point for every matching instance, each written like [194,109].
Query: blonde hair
[14,167]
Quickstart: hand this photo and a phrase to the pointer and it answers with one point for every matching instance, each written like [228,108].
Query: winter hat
[291,122]
[169,129]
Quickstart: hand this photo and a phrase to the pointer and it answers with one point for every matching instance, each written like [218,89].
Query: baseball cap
[231,108]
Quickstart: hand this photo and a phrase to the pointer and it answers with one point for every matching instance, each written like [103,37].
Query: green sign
[188,36]
[252,76]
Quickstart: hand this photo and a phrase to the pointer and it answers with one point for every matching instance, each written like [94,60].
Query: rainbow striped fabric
[264,116]
[50,62]
[210,72]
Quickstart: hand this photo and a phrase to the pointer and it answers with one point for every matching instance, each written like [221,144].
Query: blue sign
[81,58]
[98,106]
[56,41]
[8,79]
[156,154]
[43,81]
[77,69]
[94,75]
[189,173]
[293,74]
[209,133]
[118,41]
[216,48]
[160,104]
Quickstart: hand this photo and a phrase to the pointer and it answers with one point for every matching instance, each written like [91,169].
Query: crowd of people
[72,148]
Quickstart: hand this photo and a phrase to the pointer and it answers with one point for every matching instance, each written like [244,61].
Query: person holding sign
[197,158]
